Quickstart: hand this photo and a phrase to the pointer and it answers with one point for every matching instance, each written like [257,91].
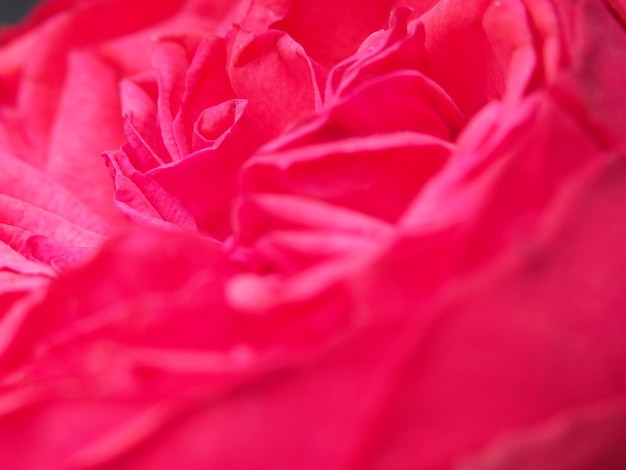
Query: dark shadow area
[13,10]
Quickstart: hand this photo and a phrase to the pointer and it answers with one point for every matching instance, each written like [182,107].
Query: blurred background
[13,10]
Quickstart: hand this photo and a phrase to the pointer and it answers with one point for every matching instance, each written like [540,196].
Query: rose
[339,331]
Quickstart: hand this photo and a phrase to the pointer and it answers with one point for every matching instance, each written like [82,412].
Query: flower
[348,245]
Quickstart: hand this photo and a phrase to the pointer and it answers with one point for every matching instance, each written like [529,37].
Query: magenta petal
[38,221]
[590,436]
[171,61]
[597,100]
[276,76]
[261,213]
[294,251]
[89,109]
[376,175]
[139,97]
[207,85]
[143,200]
[406,101]
[325,28]
[401,47]
[205,181]
[537,307]
[13,262]
[214,123]
[18,180]
[461,58]
[499,155]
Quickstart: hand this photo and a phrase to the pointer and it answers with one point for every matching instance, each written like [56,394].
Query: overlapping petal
[353,246]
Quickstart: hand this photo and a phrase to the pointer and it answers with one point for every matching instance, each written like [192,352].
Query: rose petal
[89,111]
[376,175]
[538,308]
[330,30]
[461,58]
[142,199]
[258,63]
[590,436]
[17,180]
[383,52]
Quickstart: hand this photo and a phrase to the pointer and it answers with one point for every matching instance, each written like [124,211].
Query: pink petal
[89,111]
[527,330]
[376,175]
[205,181]
[590,436]
[331,30]
[276,76]
[142,199]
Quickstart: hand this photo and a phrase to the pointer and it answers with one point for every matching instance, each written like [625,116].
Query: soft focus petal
[89,110]
[591,436]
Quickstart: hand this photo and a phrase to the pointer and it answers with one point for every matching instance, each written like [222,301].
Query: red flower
[349,245]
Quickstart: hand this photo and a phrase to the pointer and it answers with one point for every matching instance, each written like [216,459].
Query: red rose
[349,247]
